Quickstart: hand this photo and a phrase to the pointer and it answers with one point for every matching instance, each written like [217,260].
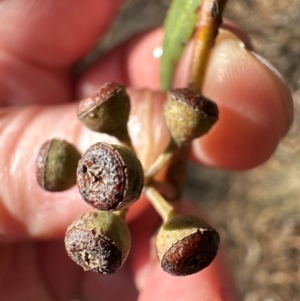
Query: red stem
[210,19]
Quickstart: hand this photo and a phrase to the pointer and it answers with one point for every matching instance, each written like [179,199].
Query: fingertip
[236,143]
[283,90]
[134,63]
[239,32]
[255,107]
[144,60]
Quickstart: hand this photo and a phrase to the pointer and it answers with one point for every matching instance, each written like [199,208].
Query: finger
[142,255]
[53,34]
[133,63]
[239,32]
[26,211]
[38,271]
[117,286]
[42,42]
[213,283]
[254,102]
[43,271]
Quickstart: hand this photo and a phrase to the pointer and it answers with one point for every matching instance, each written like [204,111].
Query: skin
[39,45]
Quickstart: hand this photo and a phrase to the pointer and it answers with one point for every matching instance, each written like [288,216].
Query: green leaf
[179,25]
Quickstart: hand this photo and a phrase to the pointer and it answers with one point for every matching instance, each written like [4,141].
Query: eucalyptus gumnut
[110,177]
[107,110]
[185,245]
[188,115]
[56,165]
[98,241]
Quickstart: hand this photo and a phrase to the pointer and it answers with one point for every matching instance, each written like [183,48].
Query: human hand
[37,52]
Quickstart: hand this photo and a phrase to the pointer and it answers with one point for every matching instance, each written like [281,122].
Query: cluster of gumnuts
[110,178]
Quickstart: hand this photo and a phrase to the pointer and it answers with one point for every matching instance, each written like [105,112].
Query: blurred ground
[257,212]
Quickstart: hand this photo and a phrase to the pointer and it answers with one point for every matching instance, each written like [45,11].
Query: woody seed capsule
[107,110]
[98,241]
[56,165]
[188,115]
[110,177]
[185,245]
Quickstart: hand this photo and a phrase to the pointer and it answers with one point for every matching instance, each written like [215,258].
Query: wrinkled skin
[40,42]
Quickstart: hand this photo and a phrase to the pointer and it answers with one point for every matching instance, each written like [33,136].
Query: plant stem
[161,161]
[210,19]
[161,205]
[124,138]
[121,213]
[173,174]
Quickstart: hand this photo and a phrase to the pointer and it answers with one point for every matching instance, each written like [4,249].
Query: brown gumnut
[185,245]
[56,165]
[110,177]
[107,110]
[189,115]
[98,241]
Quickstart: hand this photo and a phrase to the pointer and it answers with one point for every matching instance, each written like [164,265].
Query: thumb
[28,211]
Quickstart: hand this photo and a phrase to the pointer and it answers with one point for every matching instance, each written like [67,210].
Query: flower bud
[188,115]
[56,165]
[110,177]
[98,241]
[185,245]
[107,111]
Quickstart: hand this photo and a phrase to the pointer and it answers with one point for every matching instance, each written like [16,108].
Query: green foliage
[179,25]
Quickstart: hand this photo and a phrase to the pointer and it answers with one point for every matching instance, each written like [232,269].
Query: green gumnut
[107,111]
[186,244]
[188,115]
[56,165]
[110,177]
[98,241]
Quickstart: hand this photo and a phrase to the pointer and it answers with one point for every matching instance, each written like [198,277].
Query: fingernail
[284,92]
[268,65]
